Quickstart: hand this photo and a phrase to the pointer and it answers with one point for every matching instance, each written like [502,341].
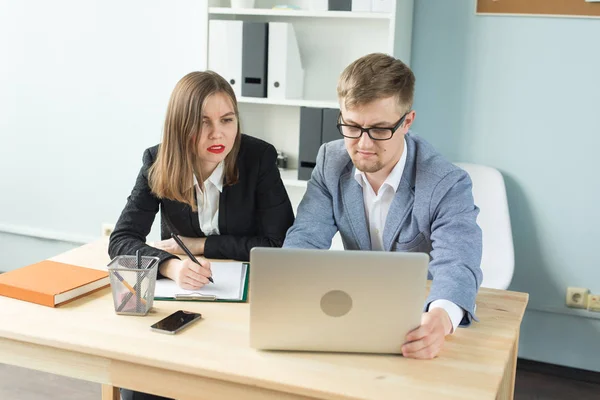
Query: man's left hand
[426,341]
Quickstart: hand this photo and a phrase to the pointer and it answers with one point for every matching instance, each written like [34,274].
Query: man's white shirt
[377,206]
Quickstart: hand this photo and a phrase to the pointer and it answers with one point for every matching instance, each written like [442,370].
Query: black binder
[317,126]
[254,59]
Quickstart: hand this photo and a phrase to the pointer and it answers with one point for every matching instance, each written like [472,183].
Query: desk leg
[110,393]
[507,386]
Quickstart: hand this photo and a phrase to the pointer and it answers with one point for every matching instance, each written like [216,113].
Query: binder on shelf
[254,59]
[340,5]
[361,5]
[311,122]
[329,130]
[225,40]
[317,126]
[285,75]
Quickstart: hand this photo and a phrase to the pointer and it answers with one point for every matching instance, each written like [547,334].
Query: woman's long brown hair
[171,175]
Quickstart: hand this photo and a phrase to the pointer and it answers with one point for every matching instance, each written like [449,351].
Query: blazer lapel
[195,221]
[403,200]
[223,210]
[399,210]
[352,198]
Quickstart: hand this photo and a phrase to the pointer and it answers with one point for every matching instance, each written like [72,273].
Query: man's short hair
[376,76]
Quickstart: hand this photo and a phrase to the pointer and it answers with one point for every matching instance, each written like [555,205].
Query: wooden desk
[85,339]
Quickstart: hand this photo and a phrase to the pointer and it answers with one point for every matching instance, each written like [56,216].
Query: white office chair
[489,192]
[498,260]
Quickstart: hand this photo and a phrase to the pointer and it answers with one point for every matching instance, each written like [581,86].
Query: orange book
[51,283]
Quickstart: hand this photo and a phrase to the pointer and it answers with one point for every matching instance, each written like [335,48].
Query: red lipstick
[216,149]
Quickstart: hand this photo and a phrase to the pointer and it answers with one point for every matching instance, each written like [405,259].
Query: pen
[128,286]
[188,252]
[138,259]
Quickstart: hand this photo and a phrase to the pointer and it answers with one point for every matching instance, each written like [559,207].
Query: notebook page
[229,280]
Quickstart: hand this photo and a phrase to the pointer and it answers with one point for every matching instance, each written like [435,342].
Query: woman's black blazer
[256,211]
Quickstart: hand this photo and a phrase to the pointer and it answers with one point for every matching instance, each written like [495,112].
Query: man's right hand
[186,273]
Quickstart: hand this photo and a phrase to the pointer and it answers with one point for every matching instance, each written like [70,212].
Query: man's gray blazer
[432,212]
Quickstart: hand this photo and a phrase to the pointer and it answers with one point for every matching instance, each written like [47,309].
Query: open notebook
[231,283]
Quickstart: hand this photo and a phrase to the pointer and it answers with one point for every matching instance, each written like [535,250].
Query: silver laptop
[335,301]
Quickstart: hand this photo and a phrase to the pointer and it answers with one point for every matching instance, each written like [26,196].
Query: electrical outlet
[593,302]
[107,229]
[577,297]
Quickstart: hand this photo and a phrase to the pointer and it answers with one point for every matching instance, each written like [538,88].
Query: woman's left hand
[196,245]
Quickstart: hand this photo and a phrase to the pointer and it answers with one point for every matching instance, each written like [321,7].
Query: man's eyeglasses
[375,133]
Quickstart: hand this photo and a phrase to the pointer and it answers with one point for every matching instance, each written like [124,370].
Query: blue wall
[522,94]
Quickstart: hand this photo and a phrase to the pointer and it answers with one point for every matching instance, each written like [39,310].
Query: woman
[219,190]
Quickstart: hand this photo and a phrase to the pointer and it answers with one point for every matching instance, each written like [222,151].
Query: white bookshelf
[288,102]
[328,41]
[268,12]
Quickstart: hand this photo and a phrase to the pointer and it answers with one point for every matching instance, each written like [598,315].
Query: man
[383,188]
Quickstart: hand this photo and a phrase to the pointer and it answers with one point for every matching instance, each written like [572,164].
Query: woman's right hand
[186,273]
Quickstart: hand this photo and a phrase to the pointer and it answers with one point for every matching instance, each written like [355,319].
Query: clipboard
[203,296]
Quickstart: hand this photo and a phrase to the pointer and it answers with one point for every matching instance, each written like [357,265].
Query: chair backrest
[489,193]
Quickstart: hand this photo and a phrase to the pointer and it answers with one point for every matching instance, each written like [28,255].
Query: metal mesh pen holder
[132,285]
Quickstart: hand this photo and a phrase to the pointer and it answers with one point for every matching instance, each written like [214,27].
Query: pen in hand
[187,251]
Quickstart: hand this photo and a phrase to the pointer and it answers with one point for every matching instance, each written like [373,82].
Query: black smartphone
[175,322]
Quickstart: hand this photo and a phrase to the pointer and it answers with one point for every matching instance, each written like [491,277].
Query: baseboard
[60,236]
[572,312]
[576,374]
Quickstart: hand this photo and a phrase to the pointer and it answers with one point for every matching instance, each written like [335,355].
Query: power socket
[594,302]
[577,297]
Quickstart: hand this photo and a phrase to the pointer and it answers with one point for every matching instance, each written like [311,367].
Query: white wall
[83,91]
[17,251]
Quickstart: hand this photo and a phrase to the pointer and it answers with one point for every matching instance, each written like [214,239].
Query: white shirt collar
[393,179]
[216,178]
